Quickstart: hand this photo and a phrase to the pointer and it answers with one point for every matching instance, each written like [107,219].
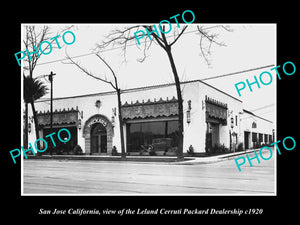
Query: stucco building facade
[212,119]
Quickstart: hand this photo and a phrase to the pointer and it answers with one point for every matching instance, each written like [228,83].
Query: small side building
[258,131]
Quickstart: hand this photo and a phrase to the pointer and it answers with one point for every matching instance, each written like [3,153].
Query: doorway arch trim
[97,118]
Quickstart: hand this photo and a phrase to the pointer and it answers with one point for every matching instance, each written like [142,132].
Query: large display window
[160,135]
[61,148]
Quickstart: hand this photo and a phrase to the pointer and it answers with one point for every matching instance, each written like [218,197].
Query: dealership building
[213,121]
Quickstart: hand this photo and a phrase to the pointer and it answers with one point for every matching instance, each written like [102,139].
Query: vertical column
[87,144]
[250,140]
[109,133]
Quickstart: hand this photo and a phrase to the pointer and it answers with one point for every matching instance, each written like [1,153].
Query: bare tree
[114,85]
[32,40]
[125,37]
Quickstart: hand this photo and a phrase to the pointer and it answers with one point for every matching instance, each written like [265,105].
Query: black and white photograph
[149,111]
[161,113]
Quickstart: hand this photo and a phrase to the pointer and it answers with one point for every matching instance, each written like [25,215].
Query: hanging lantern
[79,124]
[188,116]
[98,104]
[113,121]
[29,127]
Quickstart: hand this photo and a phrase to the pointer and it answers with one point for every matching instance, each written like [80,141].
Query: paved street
[100,177]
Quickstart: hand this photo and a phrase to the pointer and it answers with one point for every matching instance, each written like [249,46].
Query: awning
[59,117]
[215,111]
[150,109]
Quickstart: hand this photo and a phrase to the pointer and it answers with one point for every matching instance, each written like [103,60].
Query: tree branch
[118,37]
[182,31]
[159,40]
[35,37]
[202,52]
[113,73]
[211,39]
[89,73]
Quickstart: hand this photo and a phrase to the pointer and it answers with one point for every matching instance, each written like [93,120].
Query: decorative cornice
[150,109]
[64,116]
[68,110]
[149,102]
[215,102]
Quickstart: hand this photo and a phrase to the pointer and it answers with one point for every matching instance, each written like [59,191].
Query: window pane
[61,147]
[254,137]
[173,132]
[161,135]
[135,137]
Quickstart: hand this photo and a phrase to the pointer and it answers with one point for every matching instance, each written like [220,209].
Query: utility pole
[51,103]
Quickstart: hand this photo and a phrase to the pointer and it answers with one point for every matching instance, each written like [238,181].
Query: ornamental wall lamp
[188,116]
[29,127]
[80,114]
[188,112]
[114,113]
[30,121]
[79,124]
[30,118]
[232,122]
[98,104]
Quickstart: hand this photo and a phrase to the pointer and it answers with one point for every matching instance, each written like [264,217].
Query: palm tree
[34,89]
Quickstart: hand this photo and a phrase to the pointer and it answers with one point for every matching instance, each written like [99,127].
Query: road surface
[137,178]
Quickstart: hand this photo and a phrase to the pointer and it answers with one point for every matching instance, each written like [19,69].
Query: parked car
[161,144]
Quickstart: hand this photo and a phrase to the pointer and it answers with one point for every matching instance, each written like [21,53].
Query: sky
[247,46]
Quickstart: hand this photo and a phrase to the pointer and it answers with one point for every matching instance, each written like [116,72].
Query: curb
[141,159]
[163,159]
[213,159]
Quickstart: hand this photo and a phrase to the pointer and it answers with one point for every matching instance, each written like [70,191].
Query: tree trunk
[36,125]
[180,106]
[25,141]
[123,154]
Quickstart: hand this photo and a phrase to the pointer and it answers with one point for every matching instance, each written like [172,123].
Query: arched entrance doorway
[98,139]
[98,134]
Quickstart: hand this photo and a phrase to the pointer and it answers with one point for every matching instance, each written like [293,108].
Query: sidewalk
[212,159]
[108,158]
[166,159]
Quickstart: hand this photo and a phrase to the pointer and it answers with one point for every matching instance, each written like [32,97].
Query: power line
[265,112]
[263,107]
[258,115]
[234,73]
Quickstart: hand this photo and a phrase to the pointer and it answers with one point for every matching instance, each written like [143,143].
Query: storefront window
[266,138]
[161,135]
[61,148]
[254,137]
[270,138]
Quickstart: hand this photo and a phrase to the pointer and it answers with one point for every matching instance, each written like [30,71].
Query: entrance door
[98,139]
[103,143]
[215,137]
